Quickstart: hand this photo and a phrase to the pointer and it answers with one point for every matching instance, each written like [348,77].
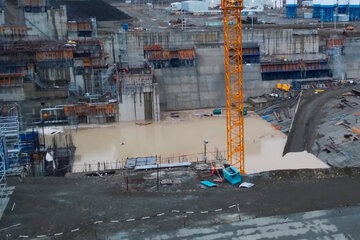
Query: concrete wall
[79,82]
[277,41]
[348,63]
[203,85]
[56,74]
[31,108]
[132,105]
[179,88]
[2,17]
[171,39]
[253,85]
[12,94]
[272,41]
[35,100]
[51,24]
[58,23]
[194,87]
[112,47]
[345,65]
[39,24]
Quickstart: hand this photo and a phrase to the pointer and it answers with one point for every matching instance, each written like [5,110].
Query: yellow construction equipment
[286,87]
[234,90]
[283,87]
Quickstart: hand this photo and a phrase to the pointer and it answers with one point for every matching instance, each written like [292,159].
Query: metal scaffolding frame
[3,186]
[123,47]
[9,126]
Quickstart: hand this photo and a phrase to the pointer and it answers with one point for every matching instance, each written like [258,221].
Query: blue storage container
[232,175]
[125,26]
[29,136]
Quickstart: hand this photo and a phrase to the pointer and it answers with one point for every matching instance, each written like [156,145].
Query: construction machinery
[234,95]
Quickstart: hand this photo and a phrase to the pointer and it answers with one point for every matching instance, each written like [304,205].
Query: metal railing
[215,156]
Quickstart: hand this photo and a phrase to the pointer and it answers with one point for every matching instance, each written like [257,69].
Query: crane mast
[234,90]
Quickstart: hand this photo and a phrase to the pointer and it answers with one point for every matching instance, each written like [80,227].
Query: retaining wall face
[40,20]
[12,94]
[170,39]
[203,85]
[274,41]
[350,59]
[178,88]
[2,17]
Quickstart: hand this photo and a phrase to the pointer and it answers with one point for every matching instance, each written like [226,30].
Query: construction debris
[246,185]
[163,165]
[208,183]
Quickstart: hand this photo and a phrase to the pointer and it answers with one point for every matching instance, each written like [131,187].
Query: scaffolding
[167,58]
[250,53]
[82,28]
[294,70]
[3,186]
[9,126]
[91,112]
[123,47]
[8,80]
[335,46]
[134,78]
[34,5]
[12,32]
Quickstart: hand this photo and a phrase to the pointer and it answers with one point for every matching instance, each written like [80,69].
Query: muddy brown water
[169,139]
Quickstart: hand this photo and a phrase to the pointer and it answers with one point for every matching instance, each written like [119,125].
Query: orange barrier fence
[33,3]
[11,79]
[79,26]
[55,55]
[166,55]
[330,43]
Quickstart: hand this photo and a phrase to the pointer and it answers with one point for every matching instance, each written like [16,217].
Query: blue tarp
[208,183]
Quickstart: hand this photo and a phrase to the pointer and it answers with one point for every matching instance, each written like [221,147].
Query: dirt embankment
[308,116]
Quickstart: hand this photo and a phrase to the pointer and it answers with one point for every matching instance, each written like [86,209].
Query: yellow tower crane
[234,89]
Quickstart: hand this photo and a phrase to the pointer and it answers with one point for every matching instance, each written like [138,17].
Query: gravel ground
[99,207]
[91,8]
[308,117]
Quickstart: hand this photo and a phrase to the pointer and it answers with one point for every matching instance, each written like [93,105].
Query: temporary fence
[215,156]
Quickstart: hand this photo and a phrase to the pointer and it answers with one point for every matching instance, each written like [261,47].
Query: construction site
[179,120]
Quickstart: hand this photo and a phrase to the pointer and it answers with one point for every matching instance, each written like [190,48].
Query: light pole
[205,142]
[335,18]
[322,17]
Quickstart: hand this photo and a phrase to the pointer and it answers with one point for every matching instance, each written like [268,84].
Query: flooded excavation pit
[175,140]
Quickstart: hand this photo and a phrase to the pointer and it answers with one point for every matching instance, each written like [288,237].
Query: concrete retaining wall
[12,94]
[132,105]
[173,39]
[2,17]
[51,24]
[349,62]
[203,85]
[277,41]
